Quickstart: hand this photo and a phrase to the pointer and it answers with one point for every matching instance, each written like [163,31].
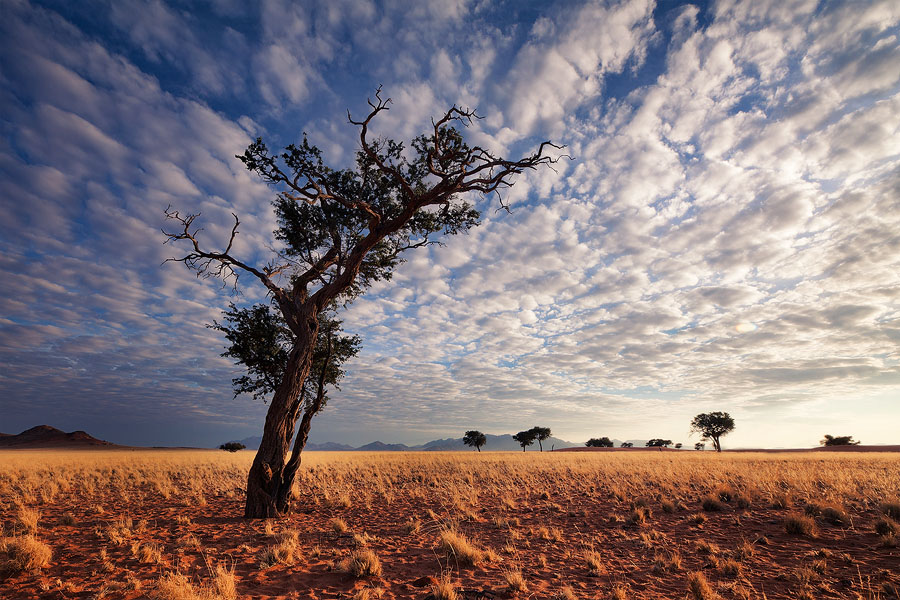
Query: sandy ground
[544,531]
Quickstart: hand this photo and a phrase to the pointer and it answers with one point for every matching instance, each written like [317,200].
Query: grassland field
[167,525]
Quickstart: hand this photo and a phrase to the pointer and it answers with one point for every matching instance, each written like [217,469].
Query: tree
[603,442]
[525,438]
[475,439]
[232,446]
[627,445]
[711,426]
[658,443]
[699,446]
[341,231]
[678,445]
[840,440]
[540,434]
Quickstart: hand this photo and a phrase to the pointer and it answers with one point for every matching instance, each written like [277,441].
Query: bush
[24,553]
[799,525]
[362,563]
[712,504]
[456,545]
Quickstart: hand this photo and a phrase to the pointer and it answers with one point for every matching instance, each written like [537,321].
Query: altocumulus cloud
[725,237]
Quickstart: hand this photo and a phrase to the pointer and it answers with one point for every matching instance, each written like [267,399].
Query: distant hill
[44,436]
[494,442]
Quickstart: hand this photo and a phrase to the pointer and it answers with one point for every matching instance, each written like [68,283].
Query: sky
[726,236]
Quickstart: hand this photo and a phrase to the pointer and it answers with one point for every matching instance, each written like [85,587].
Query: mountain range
[44,436]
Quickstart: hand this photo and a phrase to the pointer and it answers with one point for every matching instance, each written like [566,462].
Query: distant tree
[713,425]
[603,442]
[232,446]
[626,445]
[699,446]
[525,438]
[840,440]
[659,443]
[540,434]
[475,439]
[678,445]
[339,232]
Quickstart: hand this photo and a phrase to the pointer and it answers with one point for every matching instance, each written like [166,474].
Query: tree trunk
[267,487]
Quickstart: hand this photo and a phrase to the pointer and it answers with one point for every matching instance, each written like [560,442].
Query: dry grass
[459,548]
[798,524]
[515,581]
[541,511]
[444,589]
[362,563]
[23,553]
[699,588]
[176,586]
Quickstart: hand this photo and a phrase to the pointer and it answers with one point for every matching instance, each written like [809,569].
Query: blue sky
[724,239]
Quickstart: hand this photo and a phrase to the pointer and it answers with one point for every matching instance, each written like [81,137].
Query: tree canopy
[603,442]
[540,434]
[839,440]
[525,438]
[658,443]
[711,426]
[474,439]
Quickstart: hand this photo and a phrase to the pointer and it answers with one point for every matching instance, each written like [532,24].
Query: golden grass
[362,563]
[23,553]
[515,502]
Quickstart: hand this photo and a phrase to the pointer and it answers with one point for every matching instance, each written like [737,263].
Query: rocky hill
[44,436]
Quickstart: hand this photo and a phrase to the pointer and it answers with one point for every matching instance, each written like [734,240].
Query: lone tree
[540,434]
[627,445]
[341,231]
[525,438]
[603,442]
[475,439]
[713,425]
[699,446]
[232,446]
[839,440]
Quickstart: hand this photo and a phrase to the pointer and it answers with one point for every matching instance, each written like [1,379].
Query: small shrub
[28,518]
[412,526]
[456,545]
[515,581]
[595,564]
[444,588]
[232,446]
[362,563]
[619,592]
[712,504]
[24,553]
[285,552]
[888,541]
[698,519]
[668,507]
[698,587]
[67,519]
[885,527]
[639,516]
[891,509]
[704,547]
[835,516]
[338,525]
[744,551]
[730,568]
[742,501]
[799,525]
[812,509]
[781,501]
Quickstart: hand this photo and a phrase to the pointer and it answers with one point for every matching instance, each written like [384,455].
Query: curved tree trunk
[268,483]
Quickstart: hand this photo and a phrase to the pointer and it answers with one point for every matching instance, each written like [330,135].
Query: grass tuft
[459,547]
[23,553]
[362,563]
[798,524]
[698,587]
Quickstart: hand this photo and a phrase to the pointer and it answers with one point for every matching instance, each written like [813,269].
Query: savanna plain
[167,525]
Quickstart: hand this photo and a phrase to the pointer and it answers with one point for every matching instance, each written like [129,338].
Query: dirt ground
[582,525]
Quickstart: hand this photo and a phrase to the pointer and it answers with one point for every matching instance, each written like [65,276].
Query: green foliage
[525,438]
[603,442]
[261,341]
[839,440]
[627,445]
[713,425]
[232,446]
[474,439]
